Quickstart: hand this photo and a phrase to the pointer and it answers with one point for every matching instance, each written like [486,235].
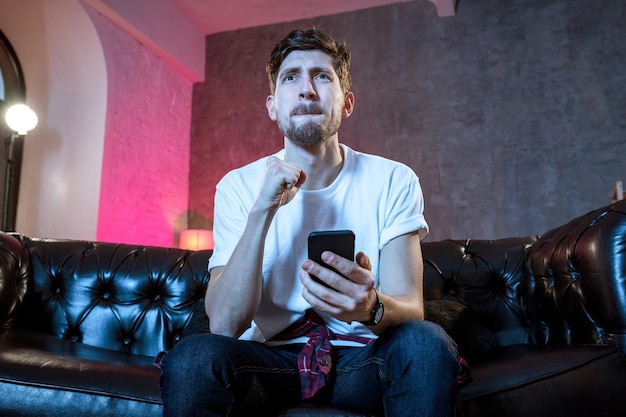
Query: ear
[348,104]
[269,105]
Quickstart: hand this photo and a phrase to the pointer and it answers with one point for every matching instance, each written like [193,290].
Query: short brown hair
[312,39]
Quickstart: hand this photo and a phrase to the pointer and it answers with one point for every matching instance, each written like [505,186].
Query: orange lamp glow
[196,239]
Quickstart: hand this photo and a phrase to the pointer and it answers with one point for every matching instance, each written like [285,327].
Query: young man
[278,336]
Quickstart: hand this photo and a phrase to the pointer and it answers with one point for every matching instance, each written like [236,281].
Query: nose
[307,90]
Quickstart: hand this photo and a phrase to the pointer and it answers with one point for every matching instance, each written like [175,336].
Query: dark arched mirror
[12,91]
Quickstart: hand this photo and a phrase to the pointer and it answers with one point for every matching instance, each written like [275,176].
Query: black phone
[340,242]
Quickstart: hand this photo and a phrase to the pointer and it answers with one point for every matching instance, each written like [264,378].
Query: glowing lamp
[21,119]
[196,239]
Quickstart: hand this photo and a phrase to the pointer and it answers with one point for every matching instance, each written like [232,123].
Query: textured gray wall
[512,113]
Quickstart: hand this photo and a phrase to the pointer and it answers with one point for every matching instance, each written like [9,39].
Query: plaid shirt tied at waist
[315,360]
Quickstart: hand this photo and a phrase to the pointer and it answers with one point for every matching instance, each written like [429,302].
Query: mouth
[307,110]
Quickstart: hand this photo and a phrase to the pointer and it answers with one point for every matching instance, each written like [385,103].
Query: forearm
[401,278]
[399,308]
[234,293]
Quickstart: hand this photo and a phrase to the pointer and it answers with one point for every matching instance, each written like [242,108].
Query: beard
[309,133]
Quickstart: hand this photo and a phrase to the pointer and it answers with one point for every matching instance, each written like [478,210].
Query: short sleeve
[404,208]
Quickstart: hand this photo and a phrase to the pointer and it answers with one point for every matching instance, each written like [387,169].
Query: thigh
[409,368]
[228,374]
[264,378]
[356,381]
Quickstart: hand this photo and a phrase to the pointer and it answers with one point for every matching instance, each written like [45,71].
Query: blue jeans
[410,370]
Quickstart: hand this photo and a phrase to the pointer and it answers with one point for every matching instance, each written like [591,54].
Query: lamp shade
[196,239]
[21,118]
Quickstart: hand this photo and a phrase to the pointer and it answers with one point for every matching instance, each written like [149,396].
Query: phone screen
[340,242]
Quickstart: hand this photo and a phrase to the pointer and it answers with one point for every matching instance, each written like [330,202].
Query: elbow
[226,325]
[418,310]
[222,331]
[226,319]
[226,329]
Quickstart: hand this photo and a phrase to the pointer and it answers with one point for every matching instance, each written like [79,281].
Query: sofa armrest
[14,273]
[576,289]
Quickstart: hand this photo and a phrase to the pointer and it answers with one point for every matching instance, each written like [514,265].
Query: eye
[323,76]
[288,78]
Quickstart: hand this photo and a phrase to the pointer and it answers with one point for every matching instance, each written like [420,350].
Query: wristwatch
[377,312]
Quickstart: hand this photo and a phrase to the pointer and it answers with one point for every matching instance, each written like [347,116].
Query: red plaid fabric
[315,360]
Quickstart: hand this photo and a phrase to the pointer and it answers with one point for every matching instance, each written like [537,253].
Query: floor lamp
[20,119]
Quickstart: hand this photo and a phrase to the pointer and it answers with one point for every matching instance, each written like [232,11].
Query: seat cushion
[45,375]
[311,410]
[548,381]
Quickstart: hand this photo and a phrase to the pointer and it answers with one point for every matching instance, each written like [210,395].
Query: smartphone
[340,242]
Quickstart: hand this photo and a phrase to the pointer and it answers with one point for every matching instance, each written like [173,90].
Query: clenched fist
[282,181]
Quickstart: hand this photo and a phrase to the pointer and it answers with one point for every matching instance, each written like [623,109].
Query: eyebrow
[298,69]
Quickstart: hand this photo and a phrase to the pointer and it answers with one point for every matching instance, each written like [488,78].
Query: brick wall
[145,171]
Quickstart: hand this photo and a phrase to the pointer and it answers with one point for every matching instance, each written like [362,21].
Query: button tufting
[157,297]
[127,340]
[90,248]
[74,339]
[106,295]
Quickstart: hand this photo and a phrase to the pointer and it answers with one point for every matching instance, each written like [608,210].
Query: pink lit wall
[145,169]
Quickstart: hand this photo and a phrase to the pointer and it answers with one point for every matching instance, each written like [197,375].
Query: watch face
[378,314]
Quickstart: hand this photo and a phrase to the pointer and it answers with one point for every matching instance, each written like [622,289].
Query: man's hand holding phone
[333,281]
[340,242]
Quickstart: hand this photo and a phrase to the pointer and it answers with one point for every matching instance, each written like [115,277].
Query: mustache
[308,108]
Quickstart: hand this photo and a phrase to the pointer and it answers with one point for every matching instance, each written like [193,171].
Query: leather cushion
[547,381]
[37,360]
[482,274]
[474,340]
[311,410]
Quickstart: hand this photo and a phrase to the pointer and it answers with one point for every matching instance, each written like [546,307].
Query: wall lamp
[196,239]
[21,119]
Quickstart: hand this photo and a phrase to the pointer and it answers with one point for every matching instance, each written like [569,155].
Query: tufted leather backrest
[485,275]
[568,286]
[130,298]
[576,286]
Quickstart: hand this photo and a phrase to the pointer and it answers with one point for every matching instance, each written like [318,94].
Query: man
[278,336]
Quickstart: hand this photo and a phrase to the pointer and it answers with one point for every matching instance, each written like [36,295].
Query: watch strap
[376,314]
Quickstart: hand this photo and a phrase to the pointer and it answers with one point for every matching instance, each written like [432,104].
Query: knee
[421,338]
[185,358]
[193,376]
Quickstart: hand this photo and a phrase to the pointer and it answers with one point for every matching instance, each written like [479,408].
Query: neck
[322,163]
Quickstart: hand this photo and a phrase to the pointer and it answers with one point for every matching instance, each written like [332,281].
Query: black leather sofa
[541,320]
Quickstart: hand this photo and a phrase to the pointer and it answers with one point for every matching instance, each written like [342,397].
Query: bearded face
[309,125]
[308,103]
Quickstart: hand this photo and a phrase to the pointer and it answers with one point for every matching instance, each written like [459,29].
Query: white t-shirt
[377,198]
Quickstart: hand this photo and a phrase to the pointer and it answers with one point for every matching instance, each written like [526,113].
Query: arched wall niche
[65,77]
